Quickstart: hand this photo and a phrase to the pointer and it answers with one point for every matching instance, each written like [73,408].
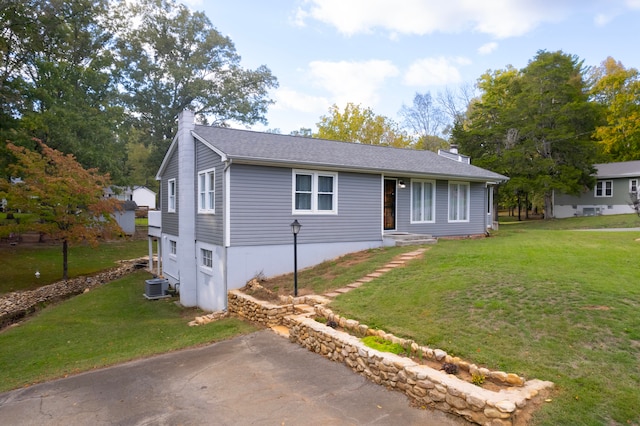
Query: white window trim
[604,189]
[202,258]
[208,192]
[468,187]
[173,248]
[172,198]
[632,183]
[433,200]
[314,192]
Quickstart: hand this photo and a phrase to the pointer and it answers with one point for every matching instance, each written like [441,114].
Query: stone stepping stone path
[398,261]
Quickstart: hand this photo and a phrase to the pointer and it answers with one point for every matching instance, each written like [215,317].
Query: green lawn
[537,299]
[559,305]
[19,263]
[111,324]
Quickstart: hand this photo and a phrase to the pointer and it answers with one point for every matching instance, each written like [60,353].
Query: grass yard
[538,298]
[111,324]
[559,305]
[19,263]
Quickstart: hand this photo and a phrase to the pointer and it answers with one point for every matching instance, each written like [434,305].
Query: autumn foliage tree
[617,90]
[361,125]
[64,200]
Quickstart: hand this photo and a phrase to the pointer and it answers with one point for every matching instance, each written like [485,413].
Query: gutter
[298,164]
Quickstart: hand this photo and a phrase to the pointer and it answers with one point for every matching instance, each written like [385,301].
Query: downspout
[227,223]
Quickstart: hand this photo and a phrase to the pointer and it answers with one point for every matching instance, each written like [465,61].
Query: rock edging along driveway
[17,305]
[424,385]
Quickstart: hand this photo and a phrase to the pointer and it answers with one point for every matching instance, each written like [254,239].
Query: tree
[617,90]
[60,88]
[485,134]
[557,121]
[304,132]
[65,200]
[171,59]
[535,126]
[361,125]
[425,120]
[456,104]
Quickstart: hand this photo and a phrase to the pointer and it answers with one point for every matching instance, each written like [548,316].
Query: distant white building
[143,196]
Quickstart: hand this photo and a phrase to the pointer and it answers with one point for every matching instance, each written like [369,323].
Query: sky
[380,53]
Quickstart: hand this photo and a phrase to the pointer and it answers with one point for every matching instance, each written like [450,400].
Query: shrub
[382,345]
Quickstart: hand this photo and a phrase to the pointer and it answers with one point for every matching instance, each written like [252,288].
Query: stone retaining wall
[257,311]
[422,384]
[18,304]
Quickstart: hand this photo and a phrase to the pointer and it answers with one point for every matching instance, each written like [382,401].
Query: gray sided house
[611,195]
[228,197]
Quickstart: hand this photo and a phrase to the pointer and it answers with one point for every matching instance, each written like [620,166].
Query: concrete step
[415,242]
[402,239]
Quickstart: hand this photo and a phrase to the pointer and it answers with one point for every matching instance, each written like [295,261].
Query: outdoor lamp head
[295,227]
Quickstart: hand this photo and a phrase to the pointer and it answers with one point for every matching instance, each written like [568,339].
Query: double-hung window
[171,195]
[206,258]
[458,202]
[633,186]
[315,192]
[604,188]
[207,191]
[422,201]
[173,248]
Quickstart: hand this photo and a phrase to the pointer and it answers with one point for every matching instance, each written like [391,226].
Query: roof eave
[334,167]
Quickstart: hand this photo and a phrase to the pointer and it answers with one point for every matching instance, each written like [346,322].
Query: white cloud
[289,99]
[633,4]
[356,82]
[438,71]
[499,18]
[487,48]
[602,19]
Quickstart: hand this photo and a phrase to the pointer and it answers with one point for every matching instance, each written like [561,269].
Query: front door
[389,204]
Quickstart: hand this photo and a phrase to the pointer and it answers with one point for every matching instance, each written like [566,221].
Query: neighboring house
[611,194]
[143,196]
[228,197]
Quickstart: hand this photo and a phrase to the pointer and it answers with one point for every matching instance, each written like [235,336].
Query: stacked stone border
[17,305]
[422,384]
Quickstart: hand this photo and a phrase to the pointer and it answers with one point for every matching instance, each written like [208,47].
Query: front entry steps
[402,239]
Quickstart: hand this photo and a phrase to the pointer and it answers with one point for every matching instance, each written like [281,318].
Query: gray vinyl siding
[169,220]
[620,195]
[442,226]
[209,227]
[261,208]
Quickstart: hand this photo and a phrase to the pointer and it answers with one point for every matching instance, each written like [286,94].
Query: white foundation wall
[246,262]
[170,269]
[211,291]
[564,211]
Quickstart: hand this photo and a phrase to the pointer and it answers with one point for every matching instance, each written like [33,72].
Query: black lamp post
[295,228]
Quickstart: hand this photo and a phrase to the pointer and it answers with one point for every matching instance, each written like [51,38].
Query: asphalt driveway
[258,379]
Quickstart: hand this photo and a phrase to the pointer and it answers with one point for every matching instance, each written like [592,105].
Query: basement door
[389,204]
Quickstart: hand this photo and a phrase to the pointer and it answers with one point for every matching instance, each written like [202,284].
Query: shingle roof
[615,170]
[269,148]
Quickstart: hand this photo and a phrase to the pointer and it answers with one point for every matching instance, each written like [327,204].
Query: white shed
[144,197]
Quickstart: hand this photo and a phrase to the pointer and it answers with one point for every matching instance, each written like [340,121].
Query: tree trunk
[519,208]
[65,257]
[548,205]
